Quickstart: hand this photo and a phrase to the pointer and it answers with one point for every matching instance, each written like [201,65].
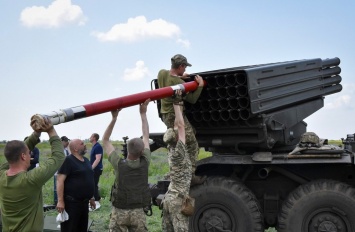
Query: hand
[199,80]
[115,113]
[60,206]
[143,106]
[48,125]
[185,76]
[41,123]
[92,203]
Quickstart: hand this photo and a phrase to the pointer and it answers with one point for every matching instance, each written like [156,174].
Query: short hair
[135,147]
[175,65]
[96,136]
[13,150]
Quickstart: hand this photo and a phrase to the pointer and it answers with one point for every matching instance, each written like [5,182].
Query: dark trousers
[78,216]
[55,189]
[97,174]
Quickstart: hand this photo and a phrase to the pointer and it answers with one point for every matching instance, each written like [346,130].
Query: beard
[82,152]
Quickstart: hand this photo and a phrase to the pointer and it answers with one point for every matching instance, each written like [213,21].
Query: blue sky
[60,54]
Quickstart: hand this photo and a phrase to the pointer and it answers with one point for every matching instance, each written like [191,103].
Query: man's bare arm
[145,125]
[108,147]
[60,192]
[179,119]
[97,160]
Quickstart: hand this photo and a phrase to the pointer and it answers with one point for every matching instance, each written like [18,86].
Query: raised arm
[60,192]
[179,119]
[108,147]
[145,125]
[193,96]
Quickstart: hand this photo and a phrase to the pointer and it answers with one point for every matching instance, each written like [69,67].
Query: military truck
[251,119]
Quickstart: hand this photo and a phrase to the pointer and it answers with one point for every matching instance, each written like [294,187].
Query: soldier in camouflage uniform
[172,77]
[130,192]
[180,176]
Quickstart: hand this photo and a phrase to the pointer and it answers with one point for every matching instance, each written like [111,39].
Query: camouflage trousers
[191,142]
[173,219]
[127,220]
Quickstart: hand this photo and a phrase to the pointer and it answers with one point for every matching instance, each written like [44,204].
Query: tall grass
[100,217]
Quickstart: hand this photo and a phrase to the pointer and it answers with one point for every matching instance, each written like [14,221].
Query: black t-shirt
[79,182]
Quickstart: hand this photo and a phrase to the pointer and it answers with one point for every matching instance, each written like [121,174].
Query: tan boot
[197,180]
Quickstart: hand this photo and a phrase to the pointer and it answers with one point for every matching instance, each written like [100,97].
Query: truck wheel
[223,204]
[322,205]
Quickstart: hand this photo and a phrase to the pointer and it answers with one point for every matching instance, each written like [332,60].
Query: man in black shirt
[75,188]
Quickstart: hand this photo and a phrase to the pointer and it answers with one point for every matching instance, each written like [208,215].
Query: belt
[72,199]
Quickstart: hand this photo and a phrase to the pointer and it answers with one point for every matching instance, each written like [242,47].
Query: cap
[169,136]
[64,138]
[180,59]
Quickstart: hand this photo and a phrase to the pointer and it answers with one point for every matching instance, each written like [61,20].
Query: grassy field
[100,217]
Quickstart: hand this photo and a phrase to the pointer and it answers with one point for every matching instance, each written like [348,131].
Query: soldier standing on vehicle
[130,192]
[180,173]
[175,76]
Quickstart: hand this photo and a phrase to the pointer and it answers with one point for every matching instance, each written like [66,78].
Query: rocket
[83,111]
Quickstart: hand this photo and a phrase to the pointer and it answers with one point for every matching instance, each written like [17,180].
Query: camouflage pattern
[180,178]
[173,220]
[191,142]
[123,220]
[180,169]
[310,137]
[180,59]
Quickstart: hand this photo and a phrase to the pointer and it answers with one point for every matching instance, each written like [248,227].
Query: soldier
[130,192]
[180,174]
[175,76]
[21,198]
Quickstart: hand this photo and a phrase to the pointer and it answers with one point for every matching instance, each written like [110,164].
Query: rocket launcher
[261,107]
[83,111]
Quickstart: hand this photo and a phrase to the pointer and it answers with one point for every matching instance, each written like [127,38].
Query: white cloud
[137,73]
[349,87]
[139,28]
[59,13]
[343,101]
[184,43]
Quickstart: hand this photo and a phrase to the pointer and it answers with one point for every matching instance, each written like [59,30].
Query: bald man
[75,188]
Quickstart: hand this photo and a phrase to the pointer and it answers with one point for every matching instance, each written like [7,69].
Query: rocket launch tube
[74,113]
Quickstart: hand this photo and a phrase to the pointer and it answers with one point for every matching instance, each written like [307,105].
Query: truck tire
[223,204]
[322,205]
